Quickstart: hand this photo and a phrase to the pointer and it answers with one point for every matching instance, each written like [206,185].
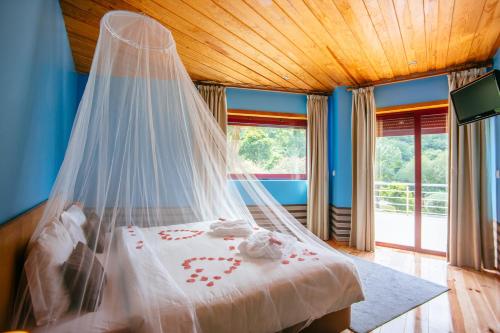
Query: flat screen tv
[479,99]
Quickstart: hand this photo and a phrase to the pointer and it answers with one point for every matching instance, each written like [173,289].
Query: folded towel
[268,244]
[228,223]
[238,228]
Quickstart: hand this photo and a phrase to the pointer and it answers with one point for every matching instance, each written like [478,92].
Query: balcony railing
[400,198]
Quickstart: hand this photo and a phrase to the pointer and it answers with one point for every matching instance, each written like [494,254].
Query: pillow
[96,233]
[75,231]
[49,297]
[75,214]
[84,277]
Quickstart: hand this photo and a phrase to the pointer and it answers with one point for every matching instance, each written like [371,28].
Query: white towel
[237,228]
[228,223]
[268,244]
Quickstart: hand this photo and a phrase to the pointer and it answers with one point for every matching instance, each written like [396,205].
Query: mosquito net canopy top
[127,238]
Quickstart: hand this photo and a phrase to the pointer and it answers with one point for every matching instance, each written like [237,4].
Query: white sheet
[225,299]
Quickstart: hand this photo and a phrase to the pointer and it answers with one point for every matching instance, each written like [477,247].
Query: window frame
[237,117]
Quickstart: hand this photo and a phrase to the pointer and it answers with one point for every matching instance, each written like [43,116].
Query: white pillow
[75,214]
[49,297]
[75,231]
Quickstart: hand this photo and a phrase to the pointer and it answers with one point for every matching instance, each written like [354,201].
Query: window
[270,145]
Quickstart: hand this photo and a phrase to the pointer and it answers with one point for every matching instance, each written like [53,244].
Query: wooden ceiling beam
[417,76]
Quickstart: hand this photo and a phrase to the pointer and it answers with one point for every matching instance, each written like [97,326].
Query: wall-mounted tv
[479,99]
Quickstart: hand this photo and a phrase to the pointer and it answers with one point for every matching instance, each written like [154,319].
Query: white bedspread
[184,264]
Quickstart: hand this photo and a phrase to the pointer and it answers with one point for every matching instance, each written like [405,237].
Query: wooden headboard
[14,236]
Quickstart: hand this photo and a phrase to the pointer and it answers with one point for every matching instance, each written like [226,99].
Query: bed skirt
[331,323]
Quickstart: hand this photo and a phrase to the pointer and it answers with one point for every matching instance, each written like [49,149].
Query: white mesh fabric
[147,158]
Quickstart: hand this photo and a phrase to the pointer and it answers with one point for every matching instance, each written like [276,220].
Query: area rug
[388,294]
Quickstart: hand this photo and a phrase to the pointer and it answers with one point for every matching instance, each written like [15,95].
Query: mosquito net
[145,231]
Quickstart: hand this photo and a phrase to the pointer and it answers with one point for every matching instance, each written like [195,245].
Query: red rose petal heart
[210,282]
[166,234]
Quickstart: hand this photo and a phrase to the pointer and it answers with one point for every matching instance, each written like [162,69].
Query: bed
[228,292]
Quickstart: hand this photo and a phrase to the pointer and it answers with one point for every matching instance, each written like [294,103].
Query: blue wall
[38,98]
[247,99]
[423,90]
[417,91]
[339,147]
[496,65]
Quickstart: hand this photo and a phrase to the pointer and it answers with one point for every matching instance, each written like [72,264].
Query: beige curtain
[317,165]
[215,97]
[471,206]
[363,158]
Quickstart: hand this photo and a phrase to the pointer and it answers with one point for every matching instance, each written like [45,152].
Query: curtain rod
[416,76]
[263,88]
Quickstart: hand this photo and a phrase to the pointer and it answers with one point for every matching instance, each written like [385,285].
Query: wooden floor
[471,305]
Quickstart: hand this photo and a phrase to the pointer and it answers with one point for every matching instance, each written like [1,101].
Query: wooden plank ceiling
[306,45]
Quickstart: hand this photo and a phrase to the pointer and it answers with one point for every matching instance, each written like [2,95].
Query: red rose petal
[285,262]
[217,277]
[221,258]
[199,270]
[293,255]
[194,275]
[300,259]
[237,263]
[228,271]
[190,280]
[210,284]
[187,267]
[211,258]
[232,248]
[203,258]
[230,259]
[204,278]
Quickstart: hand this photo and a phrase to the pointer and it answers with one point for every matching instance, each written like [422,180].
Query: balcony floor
[399,228]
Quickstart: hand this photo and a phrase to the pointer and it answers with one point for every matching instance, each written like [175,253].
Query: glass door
[395,181]
[410,181]
[434,179]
